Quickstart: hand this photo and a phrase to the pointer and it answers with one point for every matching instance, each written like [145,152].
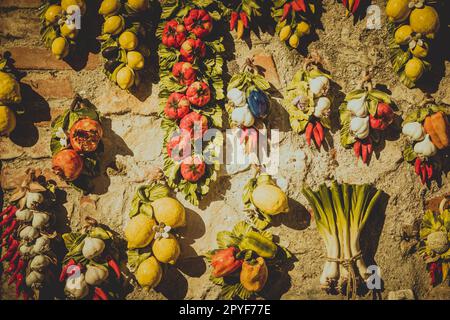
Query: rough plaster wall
[133,140]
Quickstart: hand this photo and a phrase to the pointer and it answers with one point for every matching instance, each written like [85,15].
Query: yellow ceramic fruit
[65,4]
[149,273]
[7,121]
[166,250]
[109,7]
[425,21]
[113,25]
[128,40]
[69,31]
[9,89]
[270,199]
[420,51]
[169,211]
[414,68]
[125,78]
[139,231]
[60,47]
[135,60]
[397,10]
[403,34]
[53,13]
[303,28]
[285,33]
[138,5]
[294,40]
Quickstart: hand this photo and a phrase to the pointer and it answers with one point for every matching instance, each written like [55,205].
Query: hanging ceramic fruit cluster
[263,199]
[245,261]
[76,143]
[59,29]
[26,236]
[434,244]
[307,103]
[294,19]
[9,95]
[191,87]
[248,104]
[414,24]
[364,114]
[154,217]
[240,13]
[90,269]
[123,40]
[428,132]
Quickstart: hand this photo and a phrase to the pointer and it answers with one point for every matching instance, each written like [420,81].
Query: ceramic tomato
[198,94]
[174,34]
[195,124]
[199,22]
[192,49]
[193,168]
[179,146]
[177,106]
[184,72]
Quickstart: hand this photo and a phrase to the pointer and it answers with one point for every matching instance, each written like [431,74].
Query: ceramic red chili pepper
[10,229]
[11,251]
[286,10]
[233,20]
[301,4]
[244,19]
[100,293]
[355,6]
[20,267]
[19,283]
[113,264]
[308,133]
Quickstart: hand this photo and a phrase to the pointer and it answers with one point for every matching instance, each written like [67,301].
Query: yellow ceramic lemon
[414,68]
[60,47]
[138,5]
[139,231]
[53,13]
[149,273]
[109,7]
[285,33]
[166,250]
[270,199]
[303,28]
[294,40]
[169,211]
[9,89]
[403,34]
[7,121]
[425,21]
[125,78]
[128,40]
[420,51]
[69,31]
[397,10]
[65,4]
[113,25]
[135,60]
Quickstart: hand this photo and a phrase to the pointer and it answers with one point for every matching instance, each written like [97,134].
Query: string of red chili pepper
[315,130]
[296,6]
[424,170]
[363,149]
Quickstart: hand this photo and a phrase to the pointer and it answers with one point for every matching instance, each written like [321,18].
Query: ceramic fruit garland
[123,36]
[263,199]
[414,24]
[26,236]
[59,29]
[341,213]
[428,132]
[76,143]
[90,269]
[245,261]
[9,95]
[434,244]
[248,103]
[191,88]
[293,19]
[364,114]
[241,13]
[151,237]
[307,103]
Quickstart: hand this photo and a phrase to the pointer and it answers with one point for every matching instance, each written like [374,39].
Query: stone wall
[133,141]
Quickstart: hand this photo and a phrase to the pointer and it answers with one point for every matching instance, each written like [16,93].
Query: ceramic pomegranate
[85,135]
[68,164]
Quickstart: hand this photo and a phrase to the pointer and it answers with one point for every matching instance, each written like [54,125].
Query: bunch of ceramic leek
[341,211]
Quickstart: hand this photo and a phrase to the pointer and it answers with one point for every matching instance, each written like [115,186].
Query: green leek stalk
[326,225]
[364,203]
